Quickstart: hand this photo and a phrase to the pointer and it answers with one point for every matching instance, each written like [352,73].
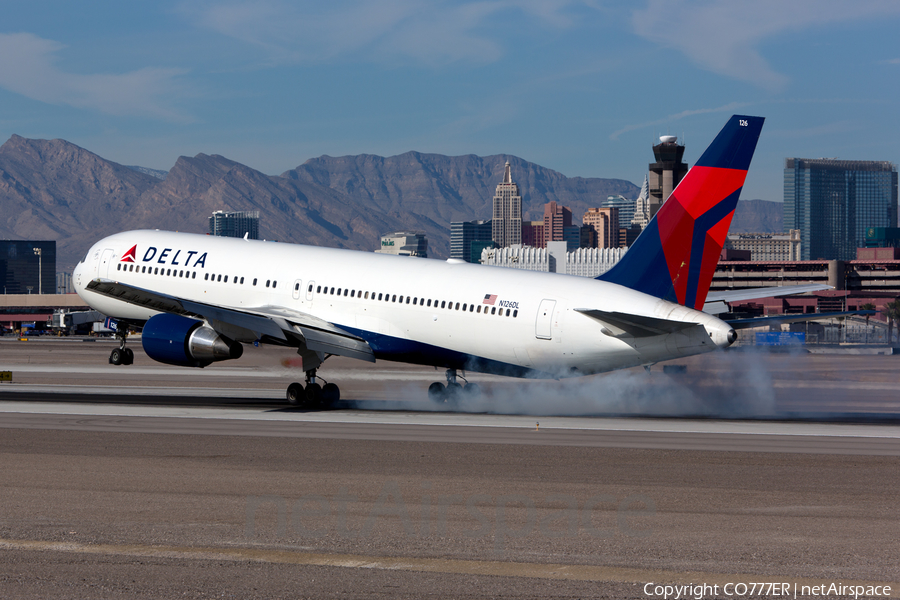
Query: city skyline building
[404,243]
[28,266]
[235,224]
[626,209]
[506,221]
[463,233]
[556,219]
[833,203]
[667,172]
[533,234]
[605,222]
[767,246]
[642,206]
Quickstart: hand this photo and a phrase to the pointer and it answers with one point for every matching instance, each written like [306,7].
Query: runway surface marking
[465,420]
[432,565]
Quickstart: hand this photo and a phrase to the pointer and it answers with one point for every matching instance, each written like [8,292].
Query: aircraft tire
[472,390]
[115,357]
[436,392]
[129,356]
[313,394]
[296,396]
[331,394]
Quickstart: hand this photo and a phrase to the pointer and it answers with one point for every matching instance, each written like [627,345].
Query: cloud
[27,67]
[425,32]
[723,36]
[730,107]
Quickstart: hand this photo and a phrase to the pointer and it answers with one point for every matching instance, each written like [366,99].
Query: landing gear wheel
[331,394]
[116,357]
[472,390]
[295,395]
[313,394]
[129,357]
[436,392]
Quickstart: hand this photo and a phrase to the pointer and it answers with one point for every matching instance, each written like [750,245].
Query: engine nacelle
[185,342]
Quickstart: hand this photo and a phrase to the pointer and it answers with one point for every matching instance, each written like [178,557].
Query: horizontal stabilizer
[636,325]
[714,300]
[797,318]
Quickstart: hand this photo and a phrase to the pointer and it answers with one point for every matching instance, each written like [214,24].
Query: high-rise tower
[506,224]
[833,202]
[667,172]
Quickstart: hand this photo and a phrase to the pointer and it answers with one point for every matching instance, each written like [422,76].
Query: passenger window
[268,281]
[457,306]
[414,301]
[515,314]
[443,303]
[296,287]
[507,312]
[479,309]
[309,289]
[464,307]
[318,288]
[407,299]
[119,267]
[394,299]
[220,278]
[471,308]
[274,284]
[367,296]
[194,275]
[401,299]
[242,281]
[345,292]
[254,281]
[331,292]
[379,296]
[339,292]
[353,293]
[493,310]
[429,302]
[156,271]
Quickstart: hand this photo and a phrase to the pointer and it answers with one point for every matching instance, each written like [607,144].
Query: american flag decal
[489,299]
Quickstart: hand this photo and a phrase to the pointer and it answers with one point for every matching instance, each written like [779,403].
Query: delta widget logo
[130,255]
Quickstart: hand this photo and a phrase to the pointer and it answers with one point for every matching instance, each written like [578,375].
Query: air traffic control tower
[667,172]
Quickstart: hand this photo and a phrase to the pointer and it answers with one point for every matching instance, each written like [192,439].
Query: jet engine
[177,340]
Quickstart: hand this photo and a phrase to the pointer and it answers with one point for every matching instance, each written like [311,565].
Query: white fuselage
[411,309]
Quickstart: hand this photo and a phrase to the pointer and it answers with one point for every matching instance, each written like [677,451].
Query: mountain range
[55,190]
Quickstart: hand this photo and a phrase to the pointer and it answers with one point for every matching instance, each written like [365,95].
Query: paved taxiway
[200,483]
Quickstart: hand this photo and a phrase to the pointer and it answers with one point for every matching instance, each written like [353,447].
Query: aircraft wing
[635,325]
[715,301]
[279,324]
[796,318]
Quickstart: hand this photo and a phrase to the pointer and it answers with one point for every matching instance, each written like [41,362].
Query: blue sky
[583,87]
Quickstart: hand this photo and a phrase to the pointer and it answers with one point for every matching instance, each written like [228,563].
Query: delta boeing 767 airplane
[197,298]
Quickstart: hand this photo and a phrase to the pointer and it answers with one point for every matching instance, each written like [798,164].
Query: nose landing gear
[121,355]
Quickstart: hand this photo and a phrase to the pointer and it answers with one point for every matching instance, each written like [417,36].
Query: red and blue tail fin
[675,256]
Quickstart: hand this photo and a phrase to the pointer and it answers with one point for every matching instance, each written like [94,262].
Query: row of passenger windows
[415,301]
[189,274]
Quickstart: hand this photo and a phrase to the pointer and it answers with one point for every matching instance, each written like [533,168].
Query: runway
[171,483]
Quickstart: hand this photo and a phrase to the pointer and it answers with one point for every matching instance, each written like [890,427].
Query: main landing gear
[121,355]
[453,392]
[313,395]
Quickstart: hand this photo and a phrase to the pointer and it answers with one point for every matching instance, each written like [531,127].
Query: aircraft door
[542,327]
[105,261]
[298,285]
[309,291]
